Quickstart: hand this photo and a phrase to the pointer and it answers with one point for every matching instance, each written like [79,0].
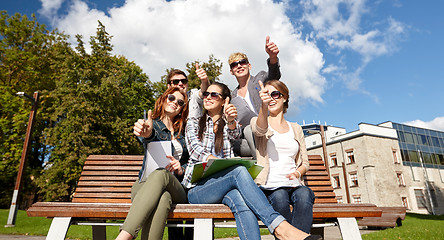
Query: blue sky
[345,61]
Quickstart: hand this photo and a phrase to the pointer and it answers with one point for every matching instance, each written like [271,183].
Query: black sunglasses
[276,94]
[176,81]
[241,62]
[214,95]
[180,102]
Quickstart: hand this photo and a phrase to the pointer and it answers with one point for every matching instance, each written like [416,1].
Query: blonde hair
[236,57]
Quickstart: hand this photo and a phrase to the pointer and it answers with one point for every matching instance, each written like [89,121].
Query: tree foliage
[94,106]
[28,53]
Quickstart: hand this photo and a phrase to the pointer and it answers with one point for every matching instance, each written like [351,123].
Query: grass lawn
[39,226]
[415,226]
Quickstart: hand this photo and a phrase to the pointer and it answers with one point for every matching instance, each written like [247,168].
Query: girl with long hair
[280,148]
[153,195]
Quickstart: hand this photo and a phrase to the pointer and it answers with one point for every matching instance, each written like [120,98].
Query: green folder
[203,170]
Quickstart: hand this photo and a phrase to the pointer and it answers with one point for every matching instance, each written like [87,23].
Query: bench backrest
[108,179]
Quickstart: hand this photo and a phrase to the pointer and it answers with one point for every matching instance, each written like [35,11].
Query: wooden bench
[104,193]
[391,217]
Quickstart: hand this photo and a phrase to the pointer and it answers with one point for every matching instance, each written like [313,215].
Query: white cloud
[157,35]
[435,124]
[338,22]
[50,7]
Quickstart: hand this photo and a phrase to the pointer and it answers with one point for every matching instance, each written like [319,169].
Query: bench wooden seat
[104,193]
[391,217]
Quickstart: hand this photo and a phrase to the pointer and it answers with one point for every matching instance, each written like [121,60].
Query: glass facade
[430,143]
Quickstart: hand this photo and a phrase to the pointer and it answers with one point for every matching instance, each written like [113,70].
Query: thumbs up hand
[263,93]
[271,49]
[230,111]
[201,73]
[144,128]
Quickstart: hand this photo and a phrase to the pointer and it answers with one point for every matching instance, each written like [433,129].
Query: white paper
[156,157]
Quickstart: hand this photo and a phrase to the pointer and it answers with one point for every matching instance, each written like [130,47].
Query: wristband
[300,175]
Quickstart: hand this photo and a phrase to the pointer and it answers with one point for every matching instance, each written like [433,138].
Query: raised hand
[144,128]
[174,166]
[201,73]
[271,49]
[204,81]
[263,93]
[230,111]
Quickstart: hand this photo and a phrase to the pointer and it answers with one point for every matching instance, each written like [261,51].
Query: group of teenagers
[206,124]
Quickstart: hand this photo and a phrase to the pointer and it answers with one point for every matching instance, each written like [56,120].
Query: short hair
[175,72]
[282,88]
[236,57]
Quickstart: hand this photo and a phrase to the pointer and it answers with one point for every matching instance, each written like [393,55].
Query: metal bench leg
[203,229]
[98,232]
[59,228]
[349,229]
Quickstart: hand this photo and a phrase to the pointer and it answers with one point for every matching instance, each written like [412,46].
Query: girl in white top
[280,148]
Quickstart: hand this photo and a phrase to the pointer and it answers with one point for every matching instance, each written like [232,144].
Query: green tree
[28,57]
[95,104]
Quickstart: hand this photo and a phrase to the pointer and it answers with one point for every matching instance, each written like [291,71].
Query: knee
[159,175]
[234,201]
[279,199]
[304,194]
[240,170]
[165,200]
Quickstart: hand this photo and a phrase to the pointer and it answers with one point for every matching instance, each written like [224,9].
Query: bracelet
[300,175]
[231,122]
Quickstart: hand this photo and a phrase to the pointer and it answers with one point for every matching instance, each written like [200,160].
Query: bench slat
[103,189]
[185,211]
[106,184]
[112,168]
[110,173]
[113,163]
[108,178]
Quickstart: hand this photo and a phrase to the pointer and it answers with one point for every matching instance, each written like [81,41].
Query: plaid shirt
[200,150]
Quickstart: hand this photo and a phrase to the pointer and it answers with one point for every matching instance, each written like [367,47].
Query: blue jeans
[235,188]
[301,198]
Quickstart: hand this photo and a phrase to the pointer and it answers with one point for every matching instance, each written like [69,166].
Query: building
[388,164]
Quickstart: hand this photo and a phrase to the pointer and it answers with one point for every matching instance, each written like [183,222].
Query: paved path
[331,233]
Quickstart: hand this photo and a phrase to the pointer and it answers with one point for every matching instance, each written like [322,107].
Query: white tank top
[282,149]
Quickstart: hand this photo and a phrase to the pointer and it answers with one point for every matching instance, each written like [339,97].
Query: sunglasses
[241,62]
[172,98]
[176,81]
[214,95]
[276,94]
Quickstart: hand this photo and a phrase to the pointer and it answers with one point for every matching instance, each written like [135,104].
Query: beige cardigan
[261,137]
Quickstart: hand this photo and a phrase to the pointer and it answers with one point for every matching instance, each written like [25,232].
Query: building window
[357,199]
[353,179]
[333,160]
[339,199]
[350,156]
[420,199]
[400,179]
[336,183]
[405,203]
[395,157]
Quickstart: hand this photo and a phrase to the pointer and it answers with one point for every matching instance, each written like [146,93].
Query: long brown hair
[219,135]
[180,119]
